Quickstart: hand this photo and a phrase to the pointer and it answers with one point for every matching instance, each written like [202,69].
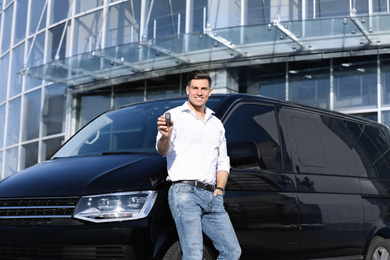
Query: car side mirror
[243,152]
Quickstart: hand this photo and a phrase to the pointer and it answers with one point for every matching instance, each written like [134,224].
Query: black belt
[198,184]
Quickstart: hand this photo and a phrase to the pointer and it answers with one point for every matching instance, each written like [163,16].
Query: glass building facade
[63,62]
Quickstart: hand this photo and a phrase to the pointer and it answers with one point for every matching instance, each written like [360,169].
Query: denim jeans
[195,210]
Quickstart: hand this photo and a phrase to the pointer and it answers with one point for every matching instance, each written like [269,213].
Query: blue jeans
[195,210]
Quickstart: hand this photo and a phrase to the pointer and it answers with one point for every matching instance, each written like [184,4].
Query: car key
[168,118]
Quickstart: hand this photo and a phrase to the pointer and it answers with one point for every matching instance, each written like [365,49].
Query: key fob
[168,118]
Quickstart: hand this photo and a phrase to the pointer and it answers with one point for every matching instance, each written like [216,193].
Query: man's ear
[211,90]
[188,90]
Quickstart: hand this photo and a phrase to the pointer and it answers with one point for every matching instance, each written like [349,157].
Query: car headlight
[115,206]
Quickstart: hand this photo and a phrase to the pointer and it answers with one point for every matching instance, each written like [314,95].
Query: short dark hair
[198,74]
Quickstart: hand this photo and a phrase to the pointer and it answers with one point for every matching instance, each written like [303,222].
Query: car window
[330,145]
[256,123]
[373,148]
[130,129]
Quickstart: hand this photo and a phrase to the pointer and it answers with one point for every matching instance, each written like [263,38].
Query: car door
[260,197]
[328,186]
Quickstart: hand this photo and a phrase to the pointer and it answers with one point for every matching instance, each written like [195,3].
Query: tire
[174,253]
[379,249]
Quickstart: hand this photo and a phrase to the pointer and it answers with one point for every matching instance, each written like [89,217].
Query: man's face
[198,92]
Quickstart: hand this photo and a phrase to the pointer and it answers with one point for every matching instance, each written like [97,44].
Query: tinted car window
[323,144]
[373,149]
[131,129]
[256,123]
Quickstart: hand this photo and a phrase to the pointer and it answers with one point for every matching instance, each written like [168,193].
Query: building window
[31,115]
[82,6]
[2,124]
[53,113]
[50,146]
[29,155]
[124,24]
[167,18]
[16,80]
[267,80]
[355,82]
[87,30]
[36,8]
[59,10]
[93,105]
[13,126]
[11,161]
[21,21]
[36,56]
[6,37]
[385,79]
[4,63]
[309,82]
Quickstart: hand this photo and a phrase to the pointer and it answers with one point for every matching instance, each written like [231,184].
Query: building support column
[224,80]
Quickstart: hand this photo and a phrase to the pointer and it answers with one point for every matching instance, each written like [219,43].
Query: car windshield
[131,129]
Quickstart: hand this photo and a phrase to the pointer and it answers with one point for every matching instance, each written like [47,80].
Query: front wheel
[379,249]
[174,253]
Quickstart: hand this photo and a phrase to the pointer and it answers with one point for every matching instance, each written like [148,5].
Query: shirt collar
[186,108]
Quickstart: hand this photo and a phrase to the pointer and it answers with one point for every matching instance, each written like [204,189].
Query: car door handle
[307,183]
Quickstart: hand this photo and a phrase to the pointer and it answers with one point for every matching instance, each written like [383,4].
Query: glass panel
[31,115]
[6,38]
[35,59]
[4,63]
[129,93]
[267,80]
[87,31]
[309,82]
[379,6]
[286,10]
[2,125]
[50,146]
[260,128]
[386,117]
[164,18]
[11,161]
[355,82]
[198,15]
[82,5]
[20,23]
[166,86]
[372,116]
[16,80]
[1,161]
[258,12]
[94,105]
[29,155]
[13,126]
[59,10]
[53,114]
[124,23]
[36,8]
[326,8]
[385,79]
[55,35]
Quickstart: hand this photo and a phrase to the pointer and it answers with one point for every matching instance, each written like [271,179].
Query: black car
[305,183]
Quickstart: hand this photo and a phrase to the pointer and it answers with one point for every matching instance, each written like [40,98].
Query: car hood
[75,176]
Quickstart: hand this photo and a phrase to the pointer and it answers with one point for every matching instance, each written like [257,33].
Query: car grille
[10,252]
[38,211]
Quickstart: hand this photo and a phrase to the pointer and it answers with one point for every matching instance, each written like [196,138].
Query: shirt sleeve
[223,159]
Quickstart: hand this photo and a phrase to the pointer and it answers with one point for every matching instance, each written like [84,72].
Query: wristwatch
[223,191]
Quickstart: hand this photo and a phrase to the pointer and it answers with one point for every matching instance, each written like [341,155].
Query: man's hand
[163,128]
[164,144]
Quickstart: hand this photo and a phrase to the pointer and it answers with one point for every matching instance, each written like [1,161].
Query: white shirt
[198,150]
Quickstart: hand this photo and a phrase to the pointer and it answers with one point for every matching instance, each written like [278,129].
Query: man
[195,148]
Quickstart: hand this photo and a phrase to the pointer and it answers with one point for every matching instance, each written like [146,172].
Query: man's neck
[200,112]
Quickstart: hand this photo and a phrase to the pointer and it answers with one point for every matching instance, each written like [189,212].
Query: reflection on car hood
[87,175]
